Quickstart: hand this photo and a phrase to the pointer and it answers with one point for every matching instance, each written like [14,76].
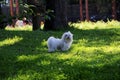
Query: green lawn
[94,54]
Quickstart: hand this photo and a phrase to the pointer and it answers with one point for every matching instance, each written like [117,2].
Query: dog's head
[67,37]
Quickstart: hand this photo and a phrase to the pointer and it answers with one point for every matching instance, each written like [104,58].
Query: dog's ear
[70,32]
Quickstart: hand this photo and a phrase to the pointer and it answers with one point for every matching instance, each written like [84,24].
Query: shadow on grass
[29,56]
[47,67]
[96,37]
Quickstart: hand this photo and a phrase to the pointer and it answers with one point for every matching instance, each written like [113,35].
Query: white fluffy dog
[62,44]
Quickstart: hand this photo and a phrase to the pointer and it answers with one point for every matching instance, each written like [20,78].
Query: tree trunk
[87,11]
[36,13]
[0,9]
[35,19]
[61,20]
[60,14]
[11,8]
[17,7]
[81,11]
[36,22]
[114,15]
[49,23]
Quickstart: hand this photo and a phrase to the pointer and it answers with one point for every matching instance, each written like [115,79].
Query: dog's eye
[66,35]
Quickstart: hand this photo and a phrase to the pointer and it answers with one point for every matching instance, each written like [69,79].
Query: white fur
[62,44]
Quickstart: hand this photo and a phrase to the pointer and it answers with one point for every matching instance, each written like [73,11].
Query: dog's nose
[68,37]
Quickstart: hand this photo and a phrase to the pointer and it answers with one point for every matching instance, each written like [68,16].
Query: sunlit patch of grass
[20,28]
[44,42]
[26,58]
[96,25]
[10,41]
[65,56]
[113,24]
[45,62]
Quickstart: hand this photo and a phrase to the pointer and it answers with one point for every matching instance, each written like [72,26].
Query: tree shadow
[96,37]
[46,66]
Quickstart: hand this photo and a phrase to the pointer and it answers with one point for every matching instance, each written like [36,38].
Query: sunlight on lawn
[45,62]
[22,28]
[94,54]
[39,76]
[24,58]
[44,42]
[27,58]
[10,41]
[96,25]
